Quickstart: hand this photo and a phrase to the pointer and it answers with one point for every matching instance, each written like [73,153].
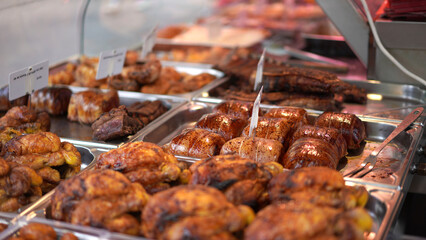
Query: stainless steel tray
[64,128]
[383,206]
[380,97]
[392,166]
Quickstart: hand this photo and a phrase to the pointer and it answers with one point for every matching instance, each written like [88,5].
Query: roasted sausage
[227,126]
[237,109]
[351,127]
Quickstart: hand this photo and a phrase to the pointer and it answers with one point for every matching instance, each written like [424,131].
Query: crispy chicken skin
[100,198]
[19,185]
[143,73]
[330,135]
[303,220]
[23,118]
[310,152]
[53,100]
[259,149]
[142,162]
[271,128]
[351,127]
[34,231]
[87,106]
[195,142]
[44,153]
[319,185]
[312,203]
[193,212]
[238,109]
[296,117]
[243,181]
[227,126]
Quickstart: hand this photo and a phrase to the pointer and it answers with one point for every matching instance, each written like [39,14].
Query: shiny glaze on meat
[53,100]
[227,126]
[351,127]
[238,109]
[272,128]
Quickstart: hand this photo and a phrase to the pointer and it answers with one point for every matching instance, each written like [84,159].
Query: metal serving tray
[383,206]
[81,232]
[380,97]
[393,162]
[70,130]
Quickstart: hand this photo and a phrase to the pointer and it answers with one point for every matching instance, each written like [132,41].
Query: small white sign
[110,63]
[255,113]
[149,42]
[259,72]
[28,80]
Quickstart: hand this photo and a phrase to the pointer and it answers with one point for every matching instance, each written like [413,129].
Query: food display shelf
[392,166]
[380,97]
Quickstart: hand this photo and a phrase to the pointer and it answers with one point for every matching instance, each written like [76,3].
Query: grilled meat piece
[44,153]
[87,106]
[323,102]
[23,118]
[34,231]
[309,152]
[65,76]
[193,212]
[303,220]
[85,73]
[198,81]
[351,127]
[261,150]
[19,186]
[143,73]
[142,162]
[227,126]
[296,116]
[243,181]
[100,198]
[53,100]
[169,77]
[5,104]
[271,128]
[115,124]
[147,111]
[195,142]
[236,109]
[330,135]
[119,83]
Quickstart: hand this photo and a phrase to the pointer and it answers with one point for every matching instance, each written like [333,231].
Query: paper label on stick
[149,42]
[255,113]
[28,80]
[110,63]
[259,71]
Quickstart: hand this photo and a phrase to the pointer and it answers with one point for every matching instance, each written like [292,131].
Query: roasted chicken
[85,73]
[35,230]
[195,142]
[45,153]
[310,152]
[100,198]
[22,117]
[236,109]
[312,203]
[351,127]
[143,73]
[227,126]
[261,150]
[195,82]
[87,106]
[243,181]
[53,100]
[193,212]
[330,135]
[64,76]
[19,186]
[145,163]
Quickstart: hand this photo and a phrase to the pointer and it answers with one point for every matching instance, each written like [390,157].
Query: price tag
[28,80]
[149,42]
[110,63]
[259,71]
[255,113]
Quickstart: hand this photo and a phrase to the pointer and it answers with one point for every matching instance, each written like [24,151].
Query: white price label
[28,80]
[110,63]
[149,42]
[255,113]
[259,71]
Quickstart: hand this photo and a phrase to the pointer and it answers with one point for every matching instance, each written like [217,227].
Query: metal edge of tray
[400,176]
[391,199]
[82,232]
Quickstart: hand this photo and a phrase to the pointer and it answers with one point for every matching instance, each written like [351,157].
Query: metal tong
[362,170]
